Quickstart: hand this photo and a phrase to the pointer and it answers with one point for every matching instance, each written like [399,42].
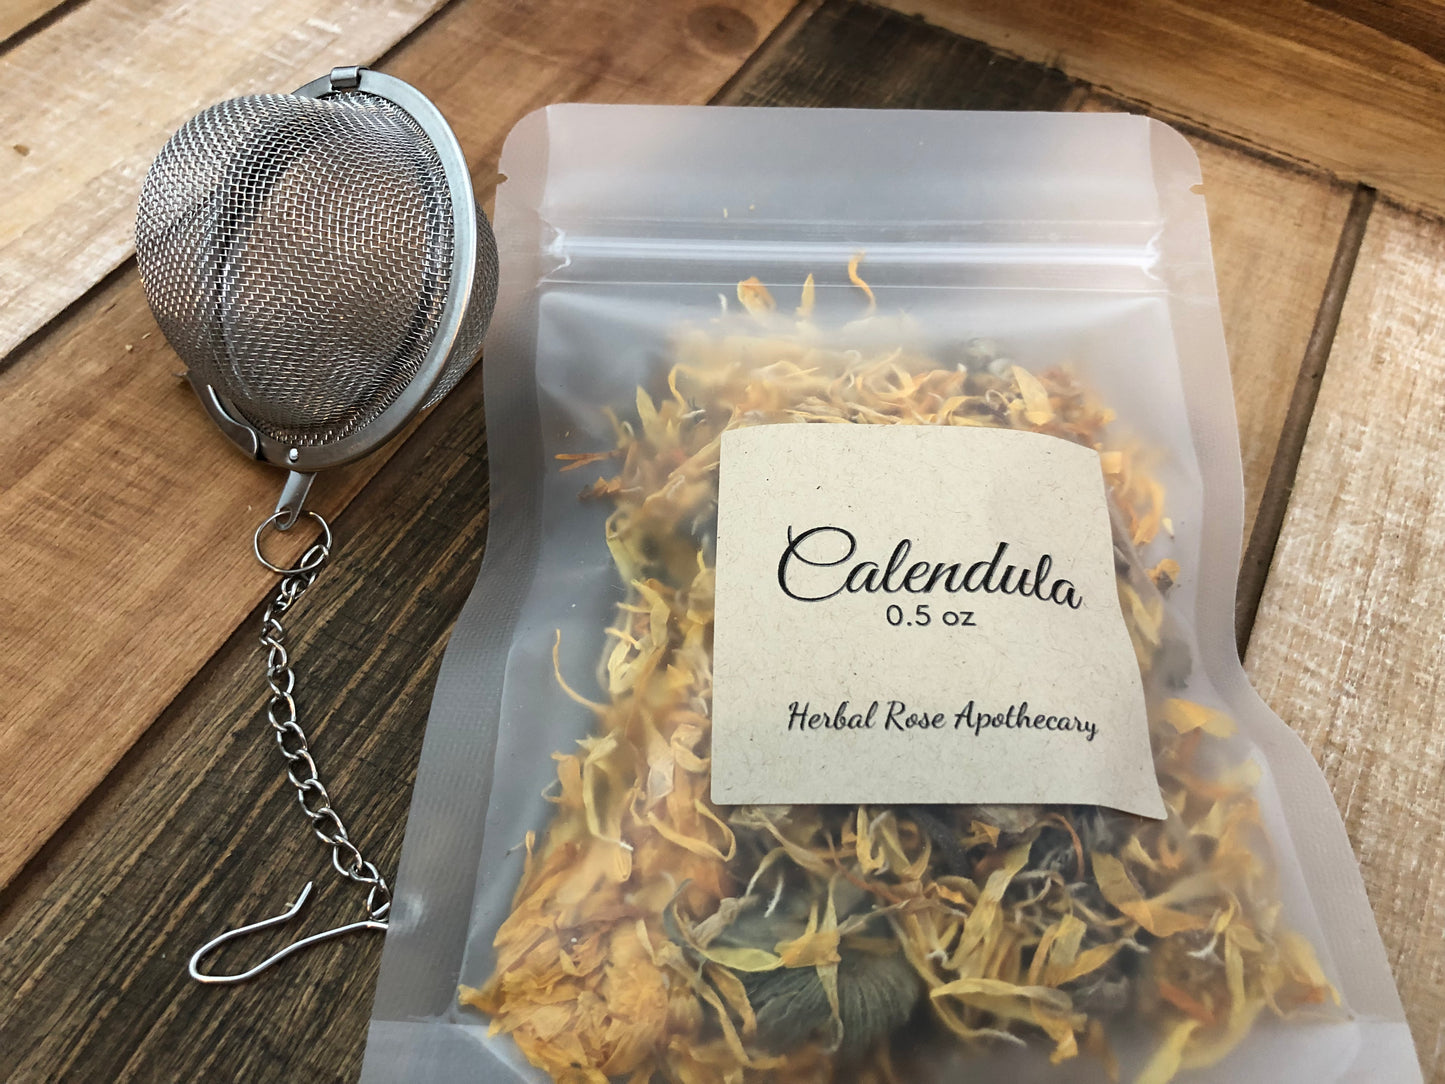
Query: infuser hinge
[348,78]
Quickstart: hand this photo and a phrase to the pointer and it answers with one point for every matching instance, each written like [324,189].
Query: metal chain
[291,739]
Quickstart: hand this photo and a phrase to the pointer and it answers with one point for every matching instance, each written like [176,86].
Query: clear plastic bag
[1071,247]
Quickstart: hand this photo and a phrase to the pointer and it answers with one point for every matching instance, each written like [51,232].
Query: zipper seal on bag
[574,257]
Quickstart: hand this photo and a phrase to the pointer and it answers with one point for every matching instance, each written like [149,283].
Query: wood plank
[128,519]
[872,56]
[16,15]
[1350,634]
[91,97]
[198,831]
[124,516]
[1354,87]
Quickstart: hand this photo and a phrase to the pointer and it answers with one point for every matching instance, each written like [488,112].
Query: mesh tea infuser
[319,263]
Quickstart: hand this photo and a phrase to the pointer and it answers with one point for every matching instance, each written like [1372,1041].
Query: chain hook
[266,923]
[281,712]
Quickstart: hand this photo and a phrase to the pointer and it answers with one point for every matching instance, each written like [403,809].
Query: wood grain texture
[124,517]
[486,64]
[91,97]
[197,831]
[1350,635]
[128,518]
[1355,87]
[868,57]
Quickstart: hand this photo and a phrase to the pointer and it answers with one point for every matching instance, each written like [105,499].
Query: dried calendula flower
[658,937]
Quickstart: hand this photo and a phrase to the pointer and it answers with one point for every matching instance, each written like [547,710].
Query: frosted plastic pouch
[656,937]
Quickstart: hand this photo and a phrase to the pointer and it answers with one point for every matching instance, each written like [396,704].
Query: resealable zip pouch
[849,692]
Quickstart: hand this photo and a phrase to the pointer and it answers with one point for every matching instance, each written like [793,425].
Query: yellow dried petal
[736,995]
[983,927]
[1165,574]
[997,988]
[696,844]
[1186,715]
[647,415]
[1163,1066]
[988,831]
[805,304]
[1089,960]
[755,297]
[869,859]
[1042,1006]
[1119,889]
[741,958]
[562,682]
[1300,956]
[1037,408]
[812,949]
[857,280]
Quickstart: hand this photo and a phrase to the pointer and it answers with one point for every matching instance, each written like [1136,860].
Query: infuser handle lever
[293,496]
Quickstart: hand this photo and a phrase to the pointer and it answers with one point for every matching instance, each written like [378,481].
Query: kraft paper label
[916,614]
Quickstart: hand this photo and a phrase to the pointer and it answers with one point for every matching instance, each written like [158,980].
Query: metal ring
[305,565]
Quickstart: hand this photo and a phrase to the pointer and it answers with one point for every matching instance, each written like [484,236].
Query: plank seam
[171,722]
[1269,520]
[38,24]
[406,39]
[781,34]
[52,325]
[1233,141]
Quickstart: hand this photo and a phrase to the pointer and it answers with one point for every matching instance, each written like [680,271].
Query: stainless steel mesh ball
[318,262]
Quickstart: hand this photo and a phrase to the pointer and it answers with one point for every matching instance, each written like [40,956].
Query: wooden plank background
[1354,87]
[143,810]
